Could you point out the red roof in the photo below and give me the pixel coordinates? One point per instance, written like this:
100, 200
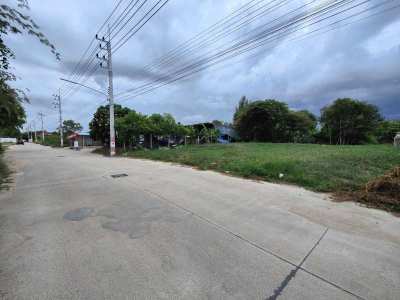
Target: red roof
72, 136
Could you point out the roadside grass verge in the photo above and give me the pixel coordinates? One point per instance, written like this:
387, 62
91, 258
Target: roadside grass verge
52, 140
4, 170
322, 168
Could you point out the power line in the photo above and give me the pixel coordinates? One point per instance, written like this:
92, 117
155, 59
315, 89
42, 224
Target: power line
83, 74
130, 34
130, 18
123, 15
187, 47
242, 43
93, 40
203, 66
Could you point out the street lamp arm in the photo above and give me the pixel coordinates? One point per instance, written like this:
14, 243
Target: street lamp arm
85, 86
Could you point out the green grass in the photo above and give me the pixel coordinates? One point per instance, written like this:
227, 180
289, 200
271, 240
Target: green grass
52, 140
317, 167
4, 170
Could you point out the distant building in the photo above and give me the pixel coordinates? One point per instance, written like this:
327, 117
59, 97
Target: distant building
8, 140
84, 140
227, 133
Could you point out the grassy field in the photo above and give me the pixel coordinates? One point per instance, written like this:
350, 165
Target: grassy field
4, 171
317, 167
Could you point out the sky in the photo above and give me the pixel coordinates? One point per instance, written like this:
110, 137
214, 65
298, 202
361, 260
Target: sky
361, 60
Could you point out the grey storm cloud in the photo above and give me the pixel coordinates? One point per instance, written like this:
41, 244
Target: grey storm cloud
361, 60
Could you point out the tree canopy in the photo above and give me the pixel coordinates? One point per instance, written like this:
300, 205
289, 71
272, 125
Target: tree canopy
100, 124
13, 20
272, 121
349, 121
12, 113
387, 130
130, 124
70, 126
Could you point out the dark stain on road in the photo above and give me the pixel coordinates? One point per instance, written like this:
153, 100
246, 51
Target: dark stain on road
78, 214
137, 219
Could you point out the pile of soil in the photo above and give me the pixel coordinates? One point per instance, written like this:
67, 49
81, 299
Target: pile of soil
382, 192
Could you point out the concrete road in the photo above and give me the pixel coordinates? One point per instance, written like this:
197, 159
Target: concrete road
68, 230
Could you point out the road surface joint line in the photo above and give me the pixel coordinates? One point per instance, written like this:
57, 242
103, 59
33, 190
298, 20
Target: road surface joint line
292, 274
222, 228
315, 246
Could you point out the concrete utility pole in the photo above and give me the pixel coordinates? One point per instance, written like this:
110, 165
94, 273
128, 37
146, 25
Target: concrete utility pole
110, 85
34, 128
57, 104
41, 115
28, 128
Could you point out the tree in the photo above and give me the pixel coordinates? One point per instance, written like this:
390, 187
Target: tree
349, 121
387, 130
70, 126
168, 125
100, 124
264, 121
12, 113
130, 126
243, 103
301, 126
182, 130
14, 21
217, 123
156, 121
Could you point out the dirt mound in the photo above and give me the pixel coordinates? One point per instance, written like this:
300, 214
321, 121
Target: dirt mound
382, 192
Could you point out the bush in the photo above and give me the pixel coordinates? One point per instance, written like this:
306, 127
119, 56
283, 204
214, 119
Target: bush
4, 171
52, 140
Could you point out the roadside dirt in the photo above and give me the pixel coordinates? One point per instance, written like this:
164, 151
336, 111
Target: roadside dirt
382, 192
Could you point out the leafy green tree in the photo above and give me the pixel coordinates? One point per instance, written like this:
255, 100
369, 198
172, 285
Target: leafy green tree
12, 113
130, 126
387, 130
263, 121
217, 123
13, 20
243, 103
168, 125
156, 121
301, 126
100, 124
181, 130
70, 126
349, 121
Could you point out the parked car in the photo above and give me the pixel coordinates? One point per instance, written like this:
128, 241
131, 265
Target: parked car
20, 142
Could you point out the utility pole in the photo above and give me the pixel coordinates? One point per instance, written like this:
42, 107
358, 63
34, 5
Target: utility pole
34, 128
57, 104
29, 132
41, 115
108, 60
